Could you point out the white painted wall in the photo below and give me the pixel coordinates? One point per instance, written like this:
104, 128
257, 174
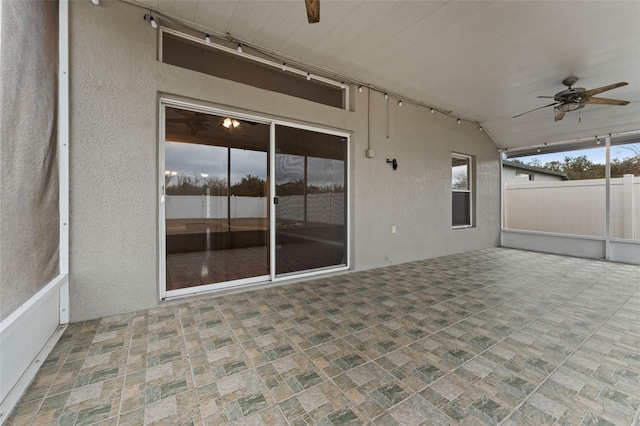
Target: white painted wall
116, 82
574, 207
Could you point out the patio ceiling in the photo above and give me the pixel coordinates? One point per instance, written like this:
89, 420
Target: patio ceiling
483, 60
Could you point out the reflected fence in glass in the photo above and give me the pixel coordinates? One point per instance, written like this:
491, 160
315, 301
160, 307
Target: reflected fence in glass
216, 203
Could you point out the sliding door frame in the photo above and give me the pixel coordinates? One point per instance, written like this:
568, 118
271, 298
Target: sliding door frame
165, 294
272, 209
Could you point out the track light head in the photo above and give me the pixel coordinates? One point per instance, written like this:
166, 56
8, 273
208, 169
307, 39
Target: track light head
386, 96
459, 121
239, 47
207, 39
95, 2
360, 88
400, 103
284, 66
342, 86
432, 111
481, 128
308, 76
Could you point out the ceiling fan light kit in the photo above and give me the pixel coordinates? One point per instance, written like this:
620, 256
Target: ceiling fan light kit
573, 99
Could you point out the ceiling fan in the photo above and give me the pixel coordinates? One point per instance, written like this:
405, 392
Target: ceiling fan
313, 10
195, 122
575, 98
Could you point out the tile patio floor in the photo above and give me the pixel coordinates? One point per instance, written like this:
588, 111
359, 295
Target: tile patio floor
483, 337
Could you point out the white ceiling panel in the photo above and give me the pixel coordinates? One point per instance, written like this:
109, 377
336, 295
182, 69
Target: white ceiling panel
483, 60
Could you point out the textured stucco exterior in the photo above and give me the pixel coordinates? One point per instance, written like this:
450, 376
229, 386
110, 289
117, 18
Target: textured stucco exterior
116, 83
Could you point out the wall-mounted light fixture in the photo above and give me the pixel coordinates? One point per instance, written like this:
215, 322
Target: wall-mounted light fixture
393, 163
152, 22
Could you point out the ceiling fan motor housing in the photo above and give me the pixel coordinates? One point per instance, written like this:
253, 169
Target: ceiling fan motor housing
571, 99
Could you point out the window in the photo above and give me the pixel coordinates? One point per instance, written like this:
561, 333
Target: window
461, 190
524, 176
194, 54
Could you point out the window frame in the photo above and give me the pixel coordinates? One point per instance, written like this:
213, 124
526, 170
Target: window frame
469, 190
520, 176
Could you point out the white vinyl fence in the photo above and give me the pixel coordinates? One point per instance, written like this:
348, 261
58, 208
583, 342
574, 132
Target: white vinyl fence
574, 207
321, 208
215, 207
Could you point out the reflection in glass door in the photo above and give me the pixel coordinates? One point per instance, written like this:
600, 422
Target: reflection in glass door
311, 215
216, 199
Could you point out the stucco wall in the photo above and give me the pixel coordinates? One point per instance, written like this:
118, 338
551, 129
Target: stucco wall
115, 85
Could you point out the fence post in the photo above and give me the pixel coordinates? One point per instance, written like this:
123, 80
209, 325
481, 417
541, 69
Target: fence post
627, 207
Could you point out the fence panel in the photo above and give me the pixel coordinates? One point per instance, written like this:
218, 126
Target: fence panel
574, 207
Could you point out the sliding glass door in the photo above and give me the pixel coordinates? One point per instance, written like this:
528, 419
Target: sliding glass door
216, 199
219, 205
311, 215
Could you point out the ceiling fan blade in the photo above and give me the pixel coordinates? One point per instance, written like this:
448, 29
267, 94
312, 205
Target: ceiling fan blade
313, 10
546, 106
559, 115
546, 97
592, 92
605, 101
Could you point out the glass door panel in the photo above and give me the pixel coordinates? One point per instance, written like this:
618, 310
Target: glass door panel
216, 209
310, 218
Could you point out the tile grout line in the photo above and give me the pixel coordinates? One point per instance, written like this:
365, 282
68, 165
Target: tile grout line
562, 363
193, 378
126, 367
35, 413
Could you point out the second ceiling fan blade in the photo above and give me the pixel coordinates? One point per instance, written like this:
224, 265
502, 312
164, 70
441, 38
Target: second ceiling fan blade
546, 106
605, 101
313, 10
604, 88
